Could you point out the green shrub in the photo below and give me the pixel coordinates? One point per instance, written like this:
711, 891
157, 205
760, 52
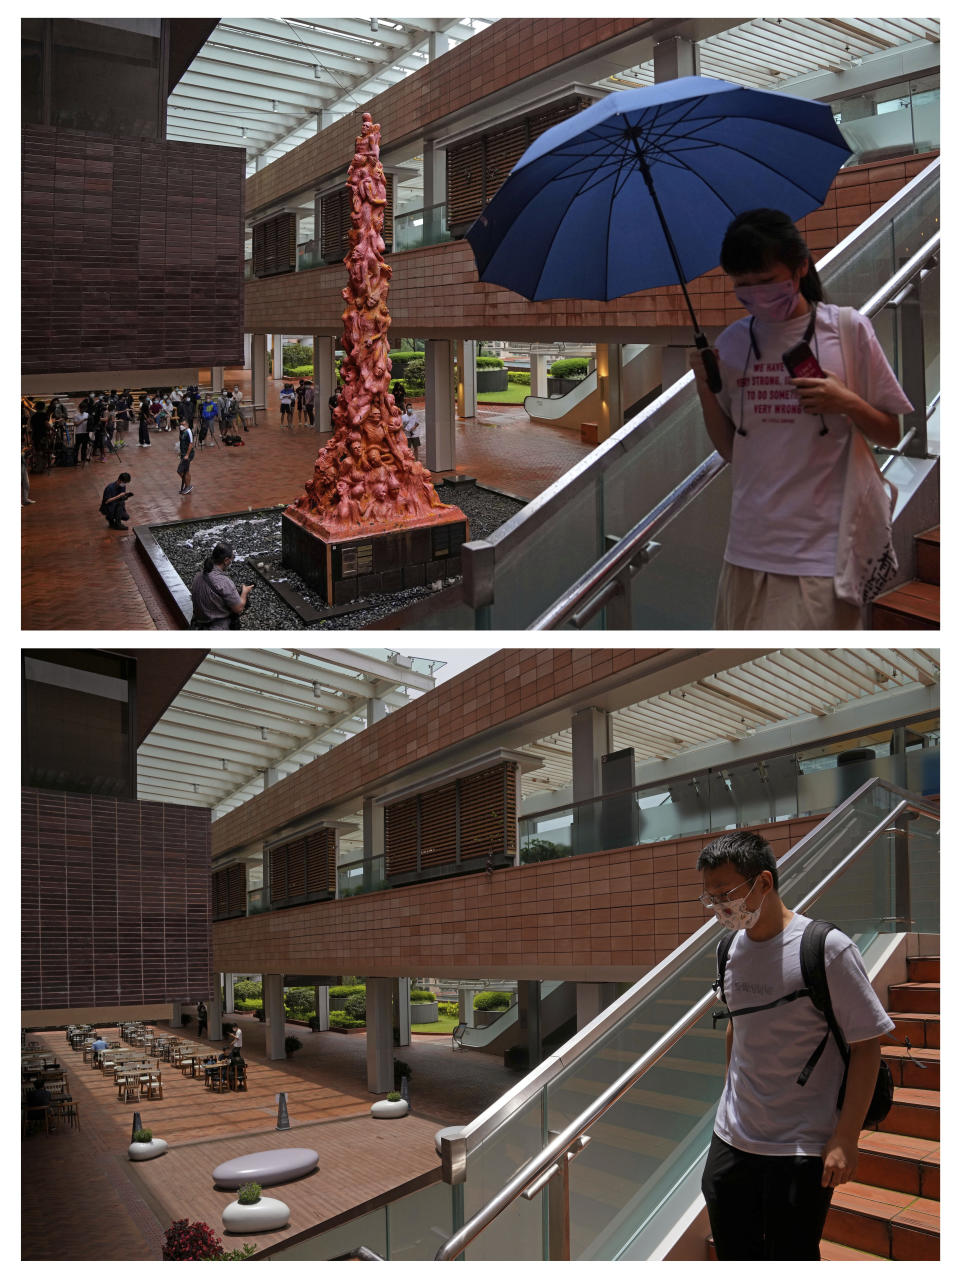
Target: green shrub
143, 1134
542, 850
399, 359
489, 999
415, 374
296, 354
247, 1005
341, 992
394, 1096
291, 1044
356, 1006
302, 370
314, 1022
249, 1192
489, 362
448, 1010
300, 1001
259, 1014
237, 1254
422, 997
344, 1020
575, 367
518, 377
247, 989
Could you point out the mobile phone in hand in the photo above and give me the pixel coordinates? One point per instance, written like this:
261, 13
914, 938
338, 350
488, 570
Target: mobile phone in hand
801, 362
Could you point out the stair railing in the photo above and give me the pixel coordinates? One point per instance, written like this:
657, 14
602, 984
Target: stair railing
608, 583
550, 1168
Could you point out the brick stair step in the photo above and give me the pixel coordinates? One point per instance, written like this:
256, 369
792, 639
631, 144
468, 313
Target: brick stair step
915, 997
916, 603
928, 555
913, 1067
923, 968
830, 1251
886, 1222
922, 1029
897, 1162
915, 1113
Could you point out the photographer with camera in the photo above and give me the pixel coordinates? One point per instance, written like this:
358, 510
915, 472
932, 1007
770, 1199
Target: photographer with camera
217, 604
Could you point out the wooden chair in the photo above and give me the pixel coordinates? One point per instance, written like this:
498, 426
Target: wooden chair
153, 1081
130, 1087
70, 1112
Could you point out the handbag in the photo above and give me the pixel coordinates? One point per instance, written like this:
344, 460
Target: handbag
866, 560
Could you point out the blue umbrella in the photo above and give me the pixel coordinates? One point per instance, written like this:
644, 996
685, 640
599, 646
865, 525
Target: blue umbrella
637, 190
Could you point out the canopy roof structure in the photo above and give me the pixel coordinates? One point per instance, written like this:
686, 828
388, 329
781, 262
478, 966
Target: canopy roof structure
246, 711
787, 685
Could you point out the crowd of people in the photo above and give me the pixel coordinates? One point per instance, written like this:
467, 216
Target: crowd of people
300, 399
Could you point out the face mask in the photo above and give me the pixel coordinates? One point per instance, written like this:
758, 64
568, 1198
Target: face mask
772, 302
736, 915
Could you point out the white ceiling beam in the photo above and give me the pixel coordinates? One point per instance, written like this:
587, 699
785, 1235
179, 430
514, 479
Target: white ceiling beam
301, 710
250, 51
269, 678
218, 727
249, 744
262, 83
195, 99
299, 37
360, 28
374, 666
177, 748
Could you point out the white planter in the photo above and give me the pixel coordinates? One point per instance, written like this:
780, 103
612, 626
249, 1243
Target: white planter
389, 1109
423, 1014
249, 1219
138, 1150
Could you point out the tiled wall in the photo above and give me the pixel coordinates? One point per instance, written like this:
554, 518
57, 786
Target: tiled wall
435, 291
504, 54
603, 916
486, 696
115, 901
132, 253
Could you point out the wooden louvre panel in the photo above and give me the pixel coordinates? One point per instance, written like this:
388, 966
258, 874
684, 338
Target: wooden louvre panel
400, 836
503, 149
321, 865
230, 892
296, 852
482, 812
335, 223
275, 245
438, 827
465, 198
278, 874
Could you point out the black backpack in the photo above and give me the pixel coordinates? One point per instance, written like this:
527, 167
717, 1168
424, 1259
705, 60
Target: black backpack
813, 970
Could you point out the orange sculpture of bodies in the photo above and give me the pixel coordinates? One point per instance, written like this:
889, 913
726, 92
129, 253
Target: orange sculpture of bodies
366, 480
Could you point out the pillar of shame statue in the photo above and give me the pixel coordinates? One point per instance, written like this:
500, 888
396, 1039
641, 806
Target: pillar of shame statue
366, 480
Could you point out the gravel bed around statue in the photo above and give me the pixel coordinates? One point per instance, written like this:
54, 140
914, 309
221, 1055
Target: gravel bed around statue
256, 535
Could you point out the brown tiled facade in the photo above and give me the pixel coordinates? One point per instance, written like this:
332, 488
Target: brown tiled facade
602, 916
499, 690
115, 901
434, 292
132, 253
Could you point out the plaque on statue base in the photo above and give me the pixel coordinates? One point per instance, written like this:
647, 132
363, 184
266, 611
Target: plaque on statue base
343, 569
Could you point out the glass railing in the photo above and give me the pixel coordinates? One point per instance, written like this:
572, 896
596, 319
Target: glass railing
361, 877
258, 900
420, 227
906, 121
308, 257
750, 794
516, 574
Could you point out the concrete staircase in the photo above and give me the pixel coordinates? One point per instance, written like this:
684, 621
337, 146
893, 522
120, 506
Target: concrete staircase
915, 605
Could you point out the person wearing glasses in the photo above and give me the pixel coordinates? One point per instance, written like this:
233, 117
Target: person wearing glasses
779, 1149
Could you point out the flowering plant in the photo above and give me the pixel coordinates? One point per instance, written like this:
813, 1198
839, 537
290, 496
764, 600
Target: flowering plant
191, 1241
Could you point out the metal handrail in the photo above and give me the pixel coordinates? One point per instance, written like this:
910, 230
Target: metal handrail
538, 1171
600, 583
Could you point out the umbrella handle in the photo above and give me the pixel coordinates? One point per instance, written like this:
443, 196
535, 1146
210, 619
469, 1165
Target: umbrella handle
714, 380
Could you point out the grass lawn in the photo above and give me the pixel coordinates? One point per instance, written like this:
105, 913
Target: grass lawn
514, 394
444, 1026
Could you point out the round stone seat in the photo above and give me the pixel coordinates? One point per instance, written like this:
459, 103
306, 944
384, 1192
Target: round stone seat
266, 1167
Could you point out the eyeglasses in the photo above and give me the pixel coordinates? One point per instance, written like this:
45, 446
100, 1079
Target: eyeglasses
710, 899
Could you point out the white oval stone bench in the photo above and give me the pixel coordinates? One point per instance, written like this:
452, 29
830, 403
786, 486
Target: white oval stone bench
266, 1167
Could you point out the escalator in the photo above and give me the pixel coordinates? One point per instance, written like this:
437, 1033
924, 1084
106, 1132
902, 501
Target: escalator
641, 377
550, 565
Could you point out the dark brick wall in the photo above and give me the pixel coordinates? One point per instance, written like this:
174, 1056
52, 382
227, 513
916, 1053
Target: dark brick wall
132, 253
115, 901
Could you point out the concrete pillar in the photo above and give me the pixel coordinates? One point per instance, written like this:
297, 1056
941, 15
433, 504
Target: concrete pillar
373, 841
215, 1012
216, 379
376, 710
610, 383
438, 42
322, 997
379, 1034
674, 364
270, 776
468, 1014
258, 368
592, 998
274, 1019
528, 1016
440, 423
467, 379
401, 1011
247, 349
324, 119
539, 364
176, 1015
324, 378
675, 57
276, 346
590, 741
228, 980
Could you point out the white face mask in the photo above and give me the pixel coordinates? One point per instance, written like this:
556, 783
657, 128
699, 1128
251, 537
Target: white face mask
736, 915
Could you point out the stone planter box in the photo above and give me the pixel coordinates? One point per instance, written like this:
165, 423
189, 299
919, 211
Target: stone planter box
423, 1014
492, 379
488, 1015
561, 385
247, 1219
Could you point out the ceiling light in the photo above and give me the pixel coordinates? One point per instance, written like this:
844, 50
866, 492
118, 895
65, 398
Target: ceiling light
374, 24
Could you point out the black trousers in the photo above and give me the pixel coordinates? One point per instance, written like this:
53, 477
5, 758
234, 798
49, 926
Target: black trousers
764, 1207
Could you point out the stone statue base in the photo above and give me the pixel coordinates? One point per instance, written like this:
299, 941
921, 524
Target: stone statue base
343, 569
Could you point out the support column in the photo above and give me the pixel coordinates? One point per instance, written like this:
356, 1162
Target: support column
379, 1034
610, 383
324, 378
401, 1012
592, 998
373, 841
247, 348
528, 1016
277, 348
322, 999
216, 379
590, 742
539, 364
258, 368
273, 1016
215, 1011
228, 980
465, 997
176, 1015
440, 422
675, 57
673, 364
467, 379
270, 777
438, 42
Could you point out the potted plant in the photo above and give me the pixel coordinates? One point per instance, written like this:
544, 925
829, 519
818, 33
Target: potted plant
392, 1107
190, 1241
145, 1146
291, 1044
252, 1212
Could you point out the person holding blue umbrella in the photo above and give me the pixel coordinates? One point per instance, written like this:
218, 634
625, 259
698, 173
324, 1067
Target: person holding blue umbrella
788, 427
